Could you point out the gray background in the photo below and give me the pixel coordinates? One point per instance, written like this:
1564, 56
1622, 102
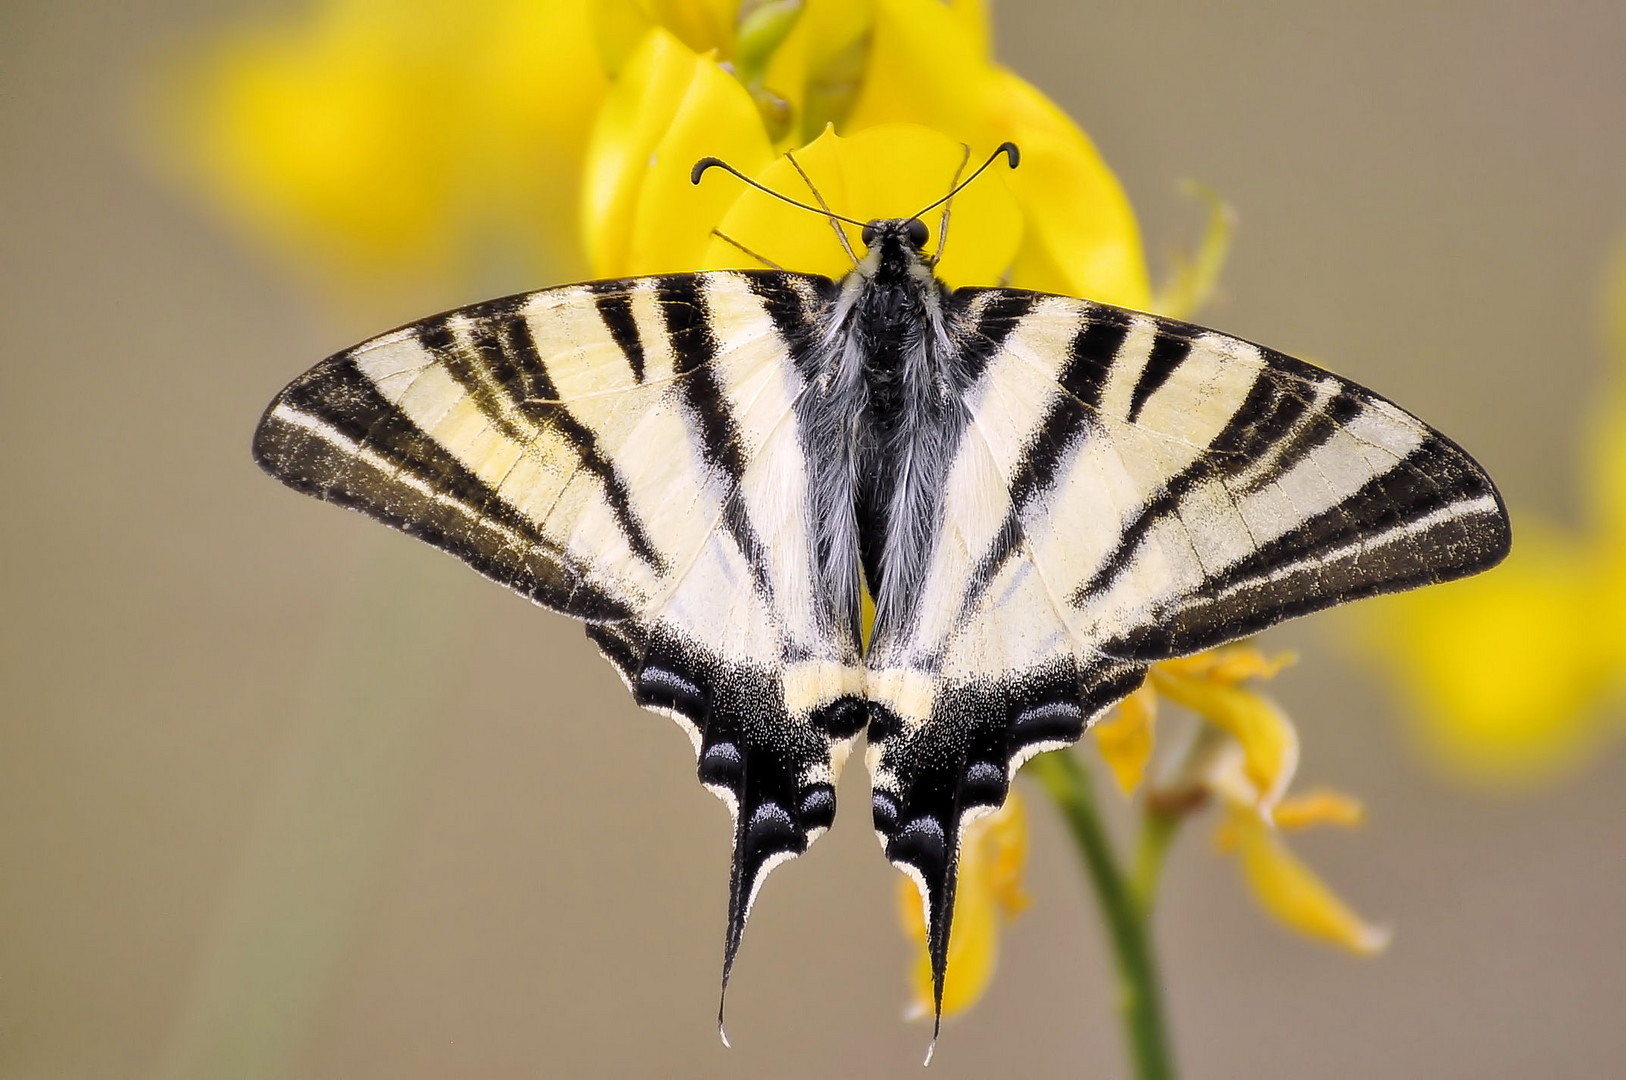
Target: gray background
282, 794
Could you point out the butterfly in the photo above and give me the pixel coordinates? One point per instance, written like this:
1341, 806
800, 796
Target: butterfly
1040, 495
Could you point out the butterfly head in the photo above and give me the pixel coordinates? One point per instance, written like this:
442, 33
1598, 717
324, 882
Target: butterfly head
910, 231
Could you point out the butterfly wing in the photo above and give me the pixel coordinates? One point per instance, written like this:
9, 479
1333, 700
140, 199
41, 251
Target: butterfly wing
1130, 489
627, 453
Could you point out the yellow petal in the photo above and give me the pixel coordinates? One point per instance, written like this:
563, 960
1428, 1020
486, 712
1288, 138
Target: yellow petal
537, 87
1292, 893
975, 18
992, 854
669, 108
1270, 745
889, 171
1322, 806
764, 26
1081, 238
835, 42
1004, 842
619, 27
702, 25
1125, 738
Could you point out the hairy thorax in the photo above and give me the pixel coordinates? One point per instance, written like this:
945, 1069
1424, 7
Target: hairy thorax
907, 421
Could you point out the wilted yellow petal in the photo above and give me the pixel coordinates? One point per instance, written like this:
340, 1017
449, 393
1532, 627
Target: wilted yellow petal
1270, 745
992, 855
1292, 893
1126, 738
1321, 806
889, 171
1229, 664
669, 108
1194, 277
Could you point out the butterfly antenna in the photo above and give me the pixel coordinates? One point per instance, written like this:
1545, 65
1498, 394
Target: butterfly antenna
846, 245
821, 209
942, 225
763, 259
1012, 154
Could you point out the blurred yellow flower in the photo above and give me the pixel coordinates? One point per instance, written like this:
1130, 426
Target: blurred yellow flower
989, 894
376, 141
1516, 677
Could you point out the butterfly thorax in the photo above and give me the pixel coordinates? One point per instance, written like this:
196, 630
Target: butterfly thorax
893, 392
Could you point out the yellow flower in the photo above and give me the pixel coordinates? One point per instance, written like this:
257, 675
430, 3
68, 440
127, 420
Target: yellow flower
378, 142
1519, 676
989, 894
1244, 757
1069, 228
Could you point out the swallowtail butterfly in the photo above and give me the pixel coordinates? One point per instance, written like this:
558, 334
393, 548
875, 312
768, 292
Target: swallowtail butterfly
1042, 495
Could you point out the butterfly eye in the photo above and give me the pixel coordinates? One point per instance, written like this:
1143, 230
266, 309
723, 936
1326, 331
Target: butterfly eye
868, 235
917, 233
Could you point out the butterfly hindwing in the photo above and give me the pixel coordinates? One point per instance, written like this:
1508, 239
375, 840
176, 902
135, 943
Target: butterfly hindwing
626, 452
1129, 489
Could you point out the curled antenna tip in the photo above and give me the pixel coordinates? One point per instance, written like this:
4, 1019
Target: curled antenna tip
1012, 154
702, 165
723, 1035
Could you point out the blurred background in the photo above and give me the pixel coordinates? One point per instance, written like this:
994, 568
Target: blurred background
283, 794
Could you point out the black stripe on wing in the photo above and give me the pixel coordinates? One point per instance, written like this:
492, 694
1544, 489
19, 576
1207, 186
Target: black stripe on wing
331, 434
1397, 532
1070, 418
682, 303
615, 308
1432, 516
987, 317
1269, 412
496, 361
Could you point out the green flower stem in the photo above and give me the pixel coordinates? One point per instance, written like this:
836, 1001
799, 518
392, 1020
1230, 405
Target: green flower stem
1157, 833
1126, 909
